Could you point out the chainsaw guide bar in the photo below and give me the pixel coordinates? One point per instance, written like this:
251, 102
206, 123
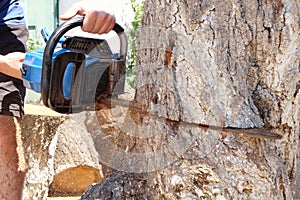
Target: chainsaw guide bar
251, 132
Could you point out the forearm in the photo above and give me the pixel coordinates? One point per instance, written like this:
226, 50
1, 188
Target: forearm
11, 64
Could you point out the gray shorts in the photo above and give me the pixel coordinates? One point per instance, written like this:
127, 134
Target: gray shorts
12, 92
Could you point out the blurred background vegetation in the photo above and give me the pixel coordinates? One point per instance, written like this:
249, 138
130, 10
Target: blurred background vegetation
138, 8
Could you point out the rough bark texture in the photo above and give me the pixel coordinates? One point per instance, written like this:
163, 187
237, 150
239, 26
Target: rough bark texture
59, 153
37, 134
227, 63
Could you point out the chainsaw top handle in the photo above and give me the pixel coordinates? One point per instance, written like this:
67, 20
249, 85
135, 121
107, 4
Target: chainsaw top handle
52, 42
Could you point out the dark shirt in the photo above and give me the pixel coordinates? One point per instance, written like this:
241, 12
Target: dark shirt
11, 12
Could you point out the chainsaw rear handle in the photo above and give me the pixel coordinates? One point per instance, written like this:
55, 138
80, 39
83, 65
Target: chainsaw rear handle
52, 42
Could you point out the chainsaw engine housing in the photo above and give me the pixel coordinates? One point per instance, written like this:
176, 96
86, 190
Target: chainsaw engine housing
74, 71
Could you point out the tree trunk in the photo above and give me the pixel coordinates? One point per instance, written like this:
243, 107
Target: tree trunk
220, 63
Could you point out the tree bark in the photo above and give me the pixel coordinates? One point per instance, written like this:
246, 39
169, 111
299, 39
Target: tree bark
220, 63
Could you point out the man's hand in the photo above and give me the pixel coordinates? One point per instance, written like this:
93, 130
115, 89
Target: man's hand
99, 17
11, 64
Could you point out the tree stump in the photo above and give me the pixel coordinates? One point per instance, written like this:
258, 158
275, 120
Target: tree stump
59, 154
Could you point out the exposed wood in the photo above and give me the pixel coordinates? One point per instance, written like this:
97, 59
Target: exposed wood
59, 154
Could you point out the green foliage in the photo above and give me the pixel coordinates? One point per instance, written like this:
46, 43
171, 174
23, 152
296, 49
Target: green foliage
138, 9
34, 43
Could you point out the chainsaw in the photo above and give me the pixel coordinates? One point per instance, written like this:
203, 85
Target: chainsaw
71, 71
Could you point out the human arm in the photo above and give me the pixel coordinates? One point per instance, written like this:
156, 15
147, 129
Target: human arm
11, 63
99, 17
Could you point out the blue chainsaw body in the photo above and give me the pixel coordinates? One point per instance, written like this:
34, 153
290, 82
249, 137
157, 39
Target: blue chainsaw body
72, 72
33, 65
